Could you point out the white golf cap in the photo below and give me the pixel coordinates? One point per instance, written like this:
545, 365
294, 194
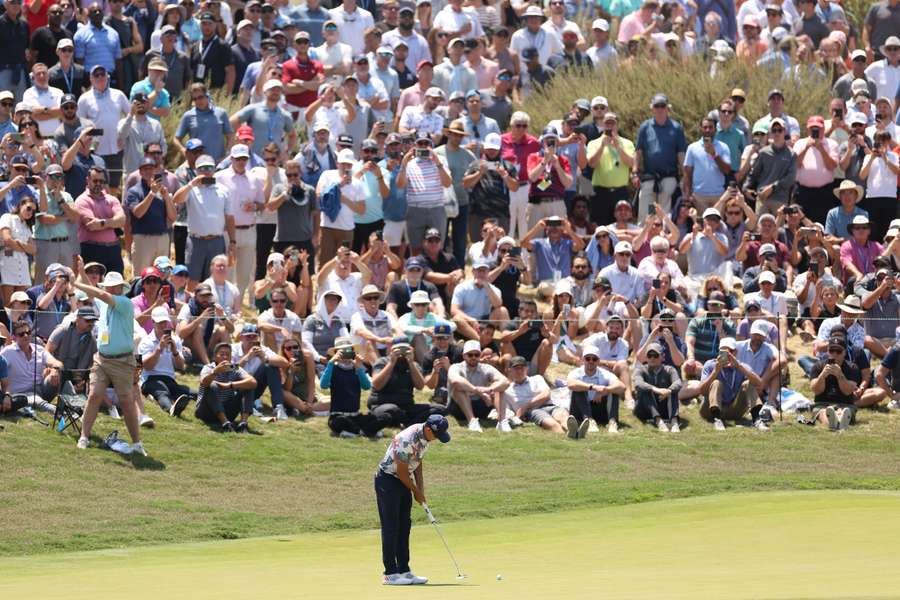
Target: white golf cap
728, 343
272, 84
244, 23
601, 24
600, 101
858, 54
623, 247
471, 346
205, 160
712, 212
346, 156
767, 277
240, 151
492, 141
759, 327
590, 351
506, 240
275, 257
767, 248
65, 43
160, 314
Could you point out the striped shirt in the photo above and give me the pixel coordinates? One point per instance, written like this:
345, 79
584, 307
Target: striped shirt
424, 188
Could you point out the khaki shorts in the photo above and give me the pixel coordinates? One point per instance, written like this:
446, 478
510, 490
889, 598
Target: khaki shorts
117, 373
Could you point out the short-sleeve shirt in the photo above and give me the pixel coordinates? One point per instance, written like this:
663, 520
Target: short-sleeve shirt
97, 46
353, 190
408, 446
617, 350
707, 179
832, 393
401, 292
520, 394
553, 258
226, 377
660, 145
215, 56
482, 375
269, 125
473, 300
382, 324
730, 378
116, 323
207, 206
209, 126
706, 338
165, 366
600, 377
611, 171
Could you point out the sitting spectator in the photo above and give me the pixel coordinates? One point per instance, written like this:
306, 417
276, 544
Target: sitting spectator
395, 378
562, 323
729, 389
33, 371
663, 297
381, 261
418, 324
298, 379
437, 361
161, 354
51, 300
671, 344
706, 246
553, 254
276, 278
750, 249
595, 396
201, 325
371, 328
528, 397
887, 380
765, 361
226, 392
324, 326
704, 334
656, 386
623, 277
475, 388
882, 306
264, 365
345, 376
278, 323
338, 274
441, 267
151, 296
711, 284
528, 337
834, 383
768, 263
859, 252
477, 300
401, 292
839, 218
580, 281
74, 345
772, 175
510, 271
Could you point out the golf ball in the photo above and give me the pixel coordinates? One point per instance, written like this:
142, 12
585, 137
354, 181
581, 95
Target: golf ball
499, 577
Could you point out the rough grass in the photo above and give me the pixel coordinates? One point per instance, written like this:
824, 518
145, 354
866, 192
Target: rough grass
293, 477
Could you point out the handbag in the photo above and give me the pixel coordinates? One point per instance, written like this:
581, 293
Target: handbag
451, 204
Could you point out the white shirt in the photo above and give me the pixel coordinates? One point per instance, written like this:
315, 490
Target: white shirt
881, 182
237, 353
165, 366
415, 118
886, 78
332, 56
245, 192
617, 350
226, 295
363, 320
352, 26
350, 287
104, 110
626, 283
567, 25
418, 47
289, 321
451, 21
47, 98
547, 44
518, 395
800, 281
353, 190
649, 270
775, 304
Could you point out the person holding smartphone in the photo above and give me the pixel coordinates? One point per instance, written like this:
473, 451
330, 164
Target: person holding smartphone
346, 377
226, 392
729, 389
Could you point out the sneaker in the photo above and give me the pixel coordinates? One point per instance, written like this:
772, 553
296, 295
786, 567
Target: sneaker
396, 579
613, 427
257, 413
629, 403
661, 425
844, 421
179, 405
377, 435
504, 426
516, 421
584, 428
572, 427
760, 424
832, 418
242, 427
348, 435
146, 421
894, 405
492, 416
82, 443
474, 425
280, 413
138, 449
415, 579
114, 412
674, 427
718, 425
592, 427
765, 414
227, 427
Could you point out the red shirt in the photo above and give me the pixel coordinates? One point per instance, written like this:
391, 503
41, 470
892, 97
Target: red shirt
304, 71
540, 189
518, 153
38, 19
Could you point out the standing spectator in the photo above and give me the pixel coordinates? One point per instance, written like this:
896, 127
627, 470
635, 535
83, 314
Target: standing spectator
97, 45
14, 41
602, 52
52, 229
550, 174
842, 87
372, 179
176, 59
296, 208
15, 237
302, 75
882, 21
491, 181
533, 36
880, 170
453, 75
518, 147
424, 176
100, 215
611, 157
817, 158
136, 132
64, 136
130, 41
104, 106
44, 38
309, 17
270, 123
211, 58
153, 87
243, 51
152, 213
424, 118
660, 152
707, 164
352, 21
774, 172
406, 34
66, 74
44, 100
339, 197
205, 122
457, 160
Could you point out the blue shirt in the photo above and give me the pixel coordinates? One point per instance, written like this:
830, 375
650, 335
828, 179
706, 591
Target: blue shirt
15, 196
394, 206
660, 145
8, 127
162, 97
837, 220
4, 368
731, 379
758, 361
116, 323
374, 211
551, 257
269, 125
707, 179
58, 230
97, 46
154, 221
209, 126
736, 141
703, 258
473, 300
311, 21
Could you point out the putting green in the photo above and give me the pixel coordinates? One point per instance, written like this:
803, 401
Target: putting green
773, 545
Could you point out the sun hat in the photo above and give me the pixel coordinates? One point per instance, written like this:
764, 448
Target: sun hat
858, 220
372, 290
113, 279
852, 305
848, 184
418, 297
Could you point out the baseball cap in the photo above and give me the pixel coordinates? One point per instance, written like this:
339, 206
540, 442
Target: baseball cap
836, 342
346, 156
272, 84
424, 63
249, 329
179, 270
205, 160
442, 329
193, 144
728, 342
65, 43
240, 151
654, 347
815, 121
432, 233
767, 248
471, 346
623, 247
245, 132
590, 351
716, 298
434, 92
659, 100
414, 262
89, 314
160, 314
481, 263
759, 327
601, 24
438, 425
345, 139
600, 101
712, 212
767, 277
492, 141
774, 92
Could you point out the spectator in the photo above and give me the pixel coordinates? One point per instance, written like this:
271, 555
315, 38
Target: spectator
161, 354
266, 367
602, 52
104, 105
153, 87
553, 254
211, 58
611, 157
152, 211
840, 217
201, 324
65, 74
595, 396
817, 157
491, 180
880, 170
424, 119
842, 87
400, 293
476, 388
534, 36
44, 100
226, 392
623, 277
32, 370
97, 45
656, 386
707, 165
396, 376
776, 111
173, 54
729, 388
270, 123
660, 152
17, 241
205, 122
858, 252
528, 396
477, 300
100, 214
834, 383
704, 335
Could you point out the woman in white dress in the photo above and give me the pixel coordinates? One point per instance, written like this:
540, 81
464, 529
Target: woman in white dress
15, 236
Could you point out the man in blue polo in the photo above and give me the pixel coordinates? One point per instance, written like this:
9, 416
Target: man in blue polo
98, 44
204, 122
270, 122
114, 364
398, 480
659, 154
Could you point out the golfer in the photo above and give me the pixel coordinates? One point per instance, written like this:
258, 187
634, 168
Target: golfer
394, 490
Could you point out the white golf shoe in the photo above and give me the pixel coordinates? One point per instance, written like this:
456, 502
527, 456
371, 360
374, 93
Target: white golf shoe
415, 579
474, 425
396, 579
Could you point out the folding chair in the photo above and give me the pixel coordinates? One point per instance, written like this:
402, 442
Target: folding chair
69, 407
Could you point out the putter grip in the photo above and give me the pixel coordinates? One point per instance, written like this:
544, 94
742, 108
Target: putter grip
429, 513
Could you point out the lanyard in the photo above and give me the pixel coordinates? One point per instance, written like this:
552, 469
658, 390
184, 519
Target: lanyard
69, 78
270, 118
203, 52
557, 256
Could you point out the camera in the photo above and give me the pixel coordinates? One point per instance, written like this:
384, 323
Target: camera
814, 267
838, 113
534, 324
208, 180
158, 177
755, 237
31, 180
422, 153
95, 131
348, 354
815, 133
379, 235
515, 251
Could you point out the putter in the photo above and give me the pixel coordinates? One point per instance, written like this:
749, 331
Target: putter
459, 573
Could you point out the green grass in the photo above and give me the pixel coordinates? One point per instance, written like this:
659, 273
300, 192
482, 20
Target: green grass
293, 477
736, 546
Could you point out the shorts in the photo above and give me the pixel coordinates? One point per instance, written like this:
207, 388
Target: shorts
117, 373
479, 408
539, 415
395, 232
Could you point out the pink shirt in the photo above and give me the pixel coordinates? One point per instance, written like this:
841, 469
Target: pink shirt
88, 207
485, 73
518, 152
631, 26
246, 194
862, 258
411, 96
811, 172
141, 303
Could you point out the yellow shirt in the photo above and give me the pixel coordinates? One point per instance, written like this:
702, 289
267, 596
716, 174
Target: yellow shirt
611, 171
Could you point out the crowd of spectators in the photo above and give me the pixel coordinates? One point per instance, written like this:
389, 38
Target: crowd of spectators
359, 204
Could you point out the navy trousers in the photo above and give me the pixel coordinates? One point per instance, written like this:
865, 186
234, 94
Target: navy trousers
394, 506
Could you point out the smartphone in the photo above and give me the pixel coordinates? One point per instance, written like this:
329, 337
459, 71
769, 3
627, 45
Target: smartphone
348, 354
813, 266
379, 235
234, 366
723, 357
839, 113
755, 237
551, 144
535, 324
567, 308
831, 361
808, 231
31, 180
515, 251
208, 180
815, 134
657, 283
166, 292
158, 177
422, 153
17, 138
95, 131
167, 332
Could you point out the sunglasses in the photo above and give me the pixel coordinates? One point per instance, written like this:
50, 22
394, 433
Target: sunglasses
371, 298
777, 130
652, 355
590, 358
279, 301
726, 111
580, 267
835, 351
520, 126
98, 182
734, 213
291, 348
659, 251
25, 333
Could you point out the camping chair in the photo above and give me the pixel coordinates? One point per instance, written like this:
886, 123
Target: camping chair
70, 406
